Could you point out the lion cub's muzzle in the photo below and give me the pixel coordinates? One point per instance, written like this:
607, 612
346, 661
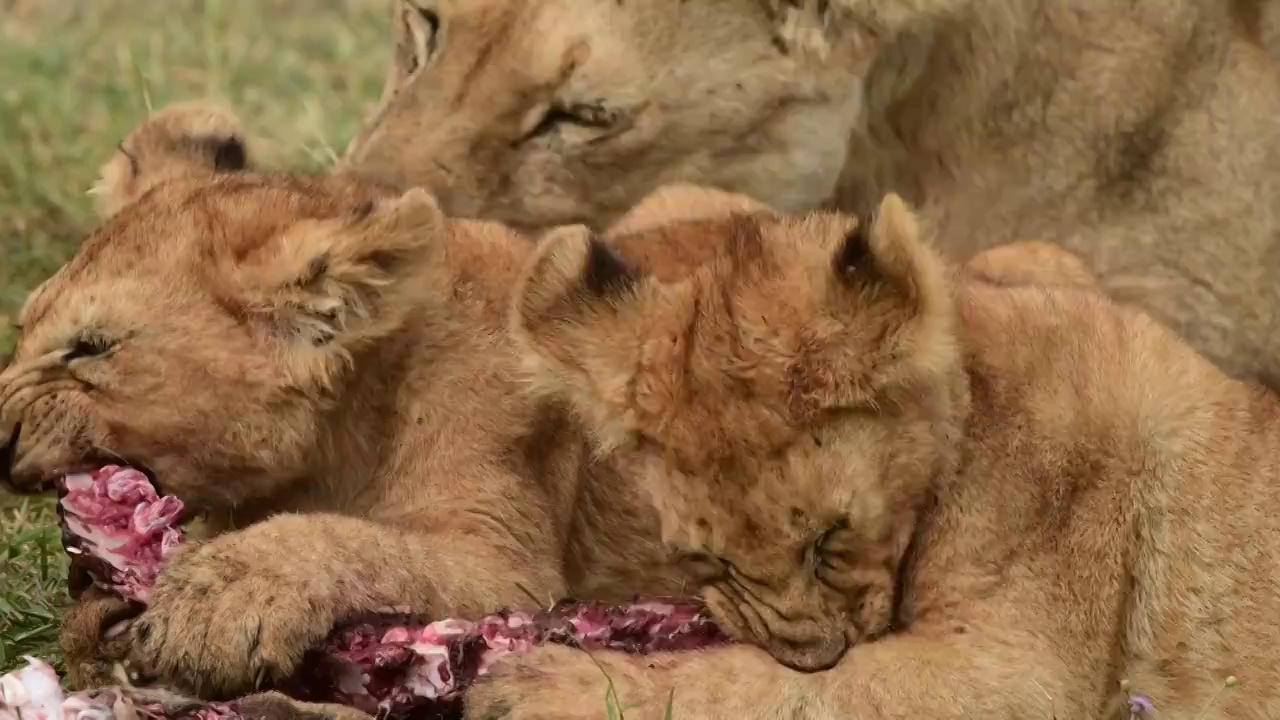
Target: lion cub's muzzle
810, 657
798, 637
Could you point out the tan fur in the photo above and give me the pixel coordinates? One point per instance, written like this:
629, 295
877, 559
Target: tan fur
1259, 21
673, 203
1030, 262
1036, 492
184, 140
1139, 136
1269, 29
637, 96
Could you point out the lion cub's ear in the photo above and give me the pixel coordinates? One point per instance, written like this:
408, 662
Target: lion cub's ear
331, 285
576, 318
894, 296
181, 140
886, 250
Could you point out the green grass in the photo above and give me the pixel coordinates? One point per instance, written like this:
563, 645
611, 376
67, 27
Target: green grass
77, 77
32, 578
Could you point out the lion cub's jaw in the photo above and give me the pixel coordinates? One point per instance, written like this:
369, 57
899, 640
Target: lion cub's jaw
786, 403
549, 112
206, 330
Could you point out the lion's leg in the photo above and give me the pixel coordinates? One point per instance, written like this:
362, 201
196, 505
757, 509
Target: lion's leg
960, 674
230, 613
259, 706
274, 706
952, 675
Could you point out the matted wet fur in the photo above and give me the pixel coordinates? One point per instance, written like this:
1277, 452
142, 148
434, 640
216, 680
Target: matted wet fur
1140, 136
941, 494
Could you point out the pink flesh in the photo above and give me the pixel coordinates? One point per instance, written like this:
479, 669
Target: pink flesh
119, 519
386, 664
33, 693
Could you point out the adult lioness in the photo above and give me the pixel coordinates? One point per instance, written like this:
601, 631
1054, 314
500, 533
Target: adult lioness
1140, 135
1025, 491
561, 111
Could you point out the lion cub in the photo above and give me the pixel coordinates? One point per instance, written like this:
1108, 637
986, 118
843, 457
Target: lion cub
1023, 492
319, 367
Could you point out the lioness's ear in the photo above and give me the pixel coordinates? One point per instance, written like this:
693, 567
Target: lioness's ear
334, 284
894, 294
575, 319
180, 140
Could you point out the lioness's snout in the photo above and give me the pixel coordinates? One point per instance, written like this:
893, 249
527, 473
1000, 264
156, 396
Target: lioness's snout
810, 657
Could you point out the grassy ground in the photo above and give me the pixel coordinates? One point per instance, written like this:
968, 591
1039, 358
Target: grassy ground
77, 75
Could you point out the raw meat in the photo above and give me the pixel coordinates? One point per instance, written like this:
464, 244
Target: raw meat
33, 693
117, 528
390, 664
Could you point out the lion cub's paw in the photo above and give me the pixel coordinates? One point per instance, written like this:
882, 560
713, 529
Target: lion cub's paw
227, 616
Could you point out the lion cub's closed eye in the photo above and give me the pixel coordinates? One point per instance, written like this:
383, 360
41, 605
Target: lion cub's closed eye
791, 390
